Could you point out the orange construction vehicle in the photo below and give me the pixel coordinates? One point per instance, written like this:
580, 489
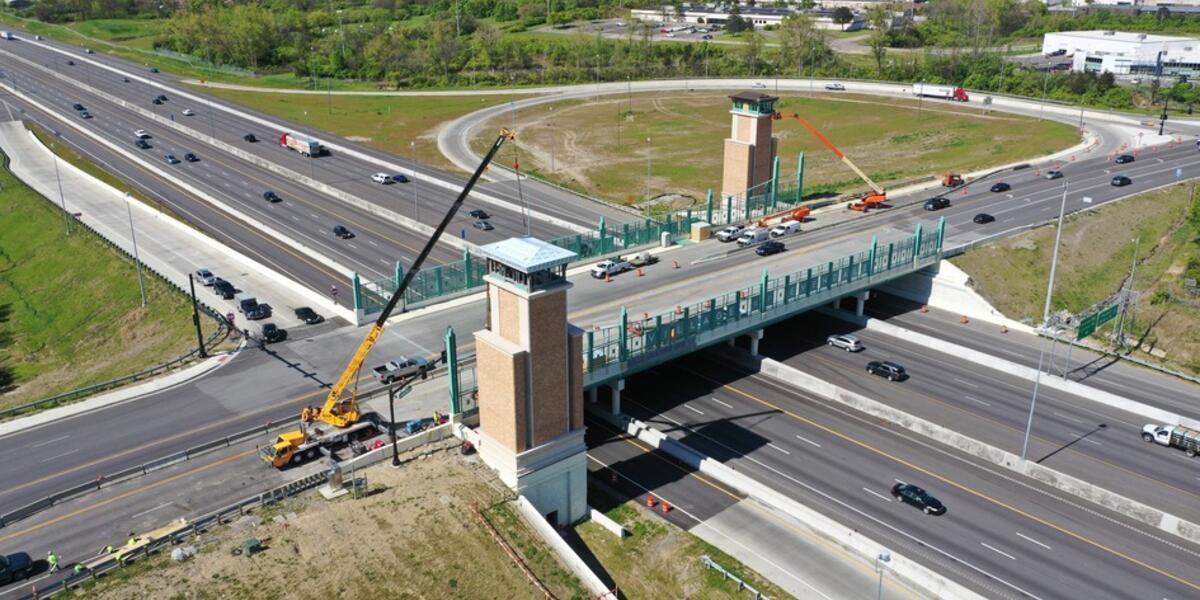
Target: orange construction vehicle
798, 213
951, 180
872, 199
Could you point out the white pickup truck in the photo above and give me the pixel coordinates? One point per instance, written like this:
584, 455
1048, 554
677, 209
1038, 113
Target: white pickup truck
1173, 436
404, 366
617, 265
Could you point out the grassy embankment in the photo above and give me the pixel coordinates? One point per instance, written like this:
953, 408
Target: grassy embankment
70, 311
576, 143
1094, 262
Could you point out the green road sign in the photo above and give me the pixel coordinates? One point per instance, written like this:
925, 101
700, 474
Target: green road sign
1090, 323
1106, 315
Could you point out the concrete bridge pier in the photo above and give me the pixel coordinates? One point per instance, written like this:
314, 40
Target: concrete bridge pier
859, 301
592, 395
755, 337
616, 388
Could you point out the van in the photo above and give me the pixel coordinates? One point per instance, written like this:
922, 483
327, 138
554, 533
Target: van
785, 228
752, 236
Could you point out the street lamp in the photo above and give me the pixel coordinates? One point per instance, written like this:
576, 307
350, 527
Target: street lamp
649, 156
1045, 84
881, 561
1037, 378
133, 236
392, 422
62, 201
412, 146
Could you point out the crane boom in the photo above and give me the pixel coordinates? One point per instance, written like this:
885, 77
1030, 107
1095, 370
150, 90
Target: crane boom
341, 413
834, 149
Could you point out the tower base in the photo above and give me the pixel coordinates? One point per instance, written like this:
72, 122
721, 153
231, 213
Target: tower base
553, 476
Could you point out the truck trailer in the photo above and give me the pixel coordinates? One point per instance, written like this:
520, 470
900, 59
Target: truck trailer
304, 145
941, 92
1173, 436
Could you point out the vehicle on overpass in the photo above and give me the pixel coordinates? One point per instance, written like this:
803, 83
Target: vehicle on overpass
941, 92
845, 341
875, 198
785, 228
937, 203
618, 265
1177, 436
770, 247
401, 367
306, 146
729, 233
338, 421
753, 236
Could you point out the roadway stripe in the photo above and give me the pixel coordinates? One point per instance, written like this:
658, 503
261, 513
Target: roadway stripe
808, 441
57, 439
877, 494
59, 456
1005, 554
1020, 535
689, 407
974, 399
779, 449
726, 405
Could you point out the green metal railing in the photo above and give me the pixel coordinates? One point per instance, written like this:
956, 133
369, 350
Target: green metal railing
634, 344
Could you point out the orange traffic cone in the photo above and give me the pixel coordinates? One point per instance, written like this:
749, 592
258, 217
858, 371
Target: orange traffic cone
1004, 329
639, 272
924, 308
964, 320
607, 278
675, 264
649, 500
666, 507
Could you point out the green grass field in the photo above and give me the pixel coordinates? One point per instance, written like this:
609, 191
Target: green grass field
576, 143
389, 123
1095, 258
70, 311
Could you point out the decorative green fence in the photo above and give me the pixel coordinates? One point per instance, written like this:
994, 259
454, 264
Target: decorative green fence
634, 343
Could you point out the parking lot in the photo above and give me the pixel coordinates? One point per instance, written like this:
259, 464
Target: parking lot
618, 29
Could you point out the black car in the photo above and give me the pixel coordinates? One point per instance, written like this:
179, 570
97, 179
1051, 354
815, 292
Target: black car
224, 288
399, 178
143, 144
249, 137
937, 203
270, 196
887, 368
1124, 158
308, 315
342, 232
770, 247
83, 114
190, 157
162, 98
71, 63
156, 101
477, 213
482, 225
1121, 181
983, 219
77, 106
271, 333
15, 566
153, 69
911, 494
1001, 187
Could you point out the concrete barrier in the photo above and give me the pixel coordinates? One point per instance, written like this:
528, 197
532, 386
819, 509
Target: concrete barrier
907, 569
565, 553
1079, 488
612, 526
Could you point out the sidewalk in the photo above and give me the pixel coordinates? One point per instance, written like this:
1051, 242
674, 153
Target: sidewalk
165, 246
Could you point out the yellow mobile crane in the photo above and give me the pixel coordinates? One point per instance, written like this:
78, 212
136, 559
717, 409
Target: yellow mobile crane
338, 420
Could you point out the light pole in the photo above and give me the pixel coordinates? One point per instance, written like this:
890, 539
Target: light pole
920, 101
1128, 290
62, 200
649, 155
412, 185
133, 236
196, 318
1037, 377
1045, 84
881, 561
392, 422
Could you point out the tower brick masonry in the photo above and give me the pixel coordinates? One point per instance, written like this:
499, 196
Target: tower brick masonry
750, 147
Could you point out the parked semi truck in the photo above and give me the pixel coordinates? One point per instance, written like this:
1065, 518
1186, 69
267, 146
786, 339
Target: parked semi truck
942, 92
293, 447
302, 144
1173, 436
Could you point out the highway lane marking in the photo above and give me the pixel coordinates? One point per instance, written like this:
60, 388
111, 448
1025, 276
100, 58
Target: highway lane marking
1090, 441
1021, 535
806, 440
372, 243
779, 449
1110, 417
122, 496
966, 383
693, 409
624, 436
59, 456
150, 510
974, 399
1068, 418
877, 494
57, 439
971, 491
725, 404
993, 549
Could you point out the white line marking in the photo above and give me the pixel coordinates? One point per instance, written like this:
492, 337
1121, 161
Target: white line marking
150, 510
974, 399
1100, 414
353, 246
779, 449
693, 409
725, 404
372, 243
57, 439
1032, 540
966, 383
1067, 417
997, 551
1092, 441
877, 494
60, 455
808, 441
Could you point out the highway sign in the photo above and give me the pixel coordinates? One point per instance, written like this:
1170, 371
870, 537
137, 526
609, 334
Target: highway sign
1090, 323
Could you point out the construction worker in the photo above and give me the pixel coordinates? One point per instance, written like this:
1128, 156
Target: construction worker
107, 549
79, 568
133, 539
52, 560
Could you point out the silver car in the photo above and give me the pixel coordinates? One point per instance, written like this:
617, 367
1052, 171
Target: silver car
205, 277
845, 341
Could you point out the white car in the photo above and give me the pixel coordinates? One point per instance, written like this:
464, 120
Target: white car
835, 87
187, 112
759, 86
206, 277
845, 341
141, 134
381, 178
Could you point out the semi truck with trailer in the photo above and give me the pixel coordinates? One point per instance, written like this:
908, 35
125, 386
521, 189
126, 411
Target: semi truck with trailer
941, 92
302, 144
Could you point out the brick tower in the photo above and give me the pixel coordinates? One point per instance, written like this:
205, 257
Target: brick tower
529, 363
750, 147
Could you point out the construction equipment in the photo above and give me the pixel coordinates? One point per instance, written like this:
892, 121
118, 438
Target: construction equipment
342, 414
952, 180
872, 199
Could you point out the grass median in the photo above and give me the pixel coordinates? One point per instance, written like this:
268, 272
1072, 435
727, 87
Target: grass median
70, 310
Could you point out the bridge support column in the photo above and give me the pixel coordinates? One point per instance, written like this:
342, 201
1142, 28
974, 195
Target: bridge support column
836, 304
616, 395
592, 394
755, 336
859, 301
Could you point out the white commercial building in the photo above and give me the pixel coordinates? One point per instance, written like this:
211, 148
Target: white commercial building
760, 17
1124, 53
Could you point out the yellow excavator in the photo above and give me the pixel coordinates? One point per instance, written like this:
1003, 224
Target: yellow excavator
338, 421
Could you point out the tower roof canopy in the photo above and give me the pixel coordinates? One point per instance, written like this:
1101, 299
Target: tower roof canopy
527, 254
754, 97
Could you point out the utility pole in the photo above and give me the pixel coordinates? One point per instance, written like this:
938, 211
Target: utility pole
1037, 378
62, 201
196, 318
133, 236
1045, 84
649, 155
1128, 290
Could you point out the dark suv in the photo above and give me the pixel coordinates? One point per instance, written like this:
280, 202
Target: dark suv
911, 494
1124, 159
342, 232
271, 333
224, 288
937, 203
15, 566
272, 197
308, 315
887, 368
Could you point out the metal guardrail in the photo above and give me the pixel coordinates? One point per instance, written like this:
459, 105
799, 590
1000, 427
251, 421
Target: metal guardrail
742, 585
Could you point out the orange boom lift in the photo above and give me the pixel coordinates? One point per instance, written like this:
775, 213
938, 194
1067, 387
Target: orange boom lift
875, 197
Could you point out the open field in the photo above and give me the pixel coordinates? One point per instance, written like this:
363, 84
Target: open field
70, 311
604, 148
385, 122
414, 535
1094, 262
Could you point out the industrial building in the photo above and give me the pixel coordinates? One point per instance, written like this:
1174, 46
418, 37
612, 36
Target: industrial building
759, 16
1125, 53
